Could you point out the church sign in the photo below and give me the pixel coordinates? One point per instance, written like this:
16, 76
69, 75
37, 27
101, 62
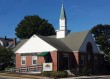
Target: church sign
47, 66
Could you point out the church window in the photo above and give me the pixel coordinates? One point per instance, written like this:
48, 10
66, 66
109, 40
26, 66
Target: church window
34, 60
23, 60
89, 48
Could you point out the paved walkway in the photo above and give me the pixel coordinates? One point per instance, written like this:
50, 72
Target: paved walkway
89, 77
81, 77
17, 76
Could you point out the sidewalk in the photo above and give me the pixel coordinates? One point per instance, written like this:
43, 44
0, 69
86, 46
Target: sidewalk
19, 76
86, 77
23, 76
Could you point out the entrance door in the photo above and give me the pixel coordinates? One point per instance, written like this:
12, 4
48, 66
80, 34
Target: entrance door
65, 62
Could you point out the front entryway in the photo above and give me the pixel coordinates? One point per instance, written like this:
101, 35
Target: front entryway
65, 62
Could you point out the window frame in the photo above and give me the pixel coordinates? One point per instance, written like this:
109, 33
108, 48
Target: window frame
23, 58
33, 60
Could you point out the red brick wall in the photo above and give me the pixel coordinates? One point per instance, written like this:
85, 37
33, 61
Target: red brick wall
18, 60
54, 60
28, 60
40, 60
76, 57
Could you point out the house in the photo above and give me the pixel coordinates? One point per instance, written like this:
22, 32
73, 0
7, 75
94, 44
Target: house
8, 42
65, 50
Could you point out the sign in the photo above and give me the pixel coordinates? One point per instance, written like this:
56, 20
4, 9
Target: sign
47, 66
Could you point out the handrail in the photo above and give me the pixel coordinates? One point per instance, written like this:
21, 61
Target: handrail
25, 69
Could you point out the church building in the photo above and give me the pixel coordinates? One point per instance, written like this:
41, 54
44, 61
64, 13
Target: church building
66, 50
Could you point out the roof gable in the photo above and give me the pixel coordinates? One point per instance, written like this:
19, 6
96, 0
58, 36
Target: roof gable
74, 40
89, 39
19, 44
35, 44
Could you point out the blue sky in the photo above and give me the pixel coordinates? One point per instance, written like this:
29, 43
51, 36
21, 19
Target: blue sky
81, 14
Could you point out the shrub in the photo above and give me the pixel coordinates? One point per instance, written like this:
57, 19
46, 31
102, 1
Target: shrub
85, 71
58, 74
6, 65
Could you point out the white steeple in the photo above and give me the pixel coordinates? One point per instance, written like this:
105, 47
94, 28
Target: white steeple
61, 33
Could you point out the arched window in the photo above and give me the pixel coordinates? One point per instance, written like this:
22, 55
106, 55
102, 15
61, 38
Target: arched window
89, 48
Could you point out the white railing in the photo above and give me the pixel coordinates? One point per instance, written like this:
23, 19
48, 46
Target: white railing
25, 69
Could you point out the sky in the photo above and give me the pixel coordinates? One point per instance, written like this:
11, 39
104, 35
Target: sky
81, 14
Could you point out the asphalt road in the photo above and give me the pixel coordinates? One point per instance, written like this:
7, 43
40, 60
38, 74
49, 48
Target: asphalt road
81, 77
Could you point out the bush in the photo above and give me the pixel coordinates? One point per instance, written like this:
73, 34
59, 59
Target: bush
6, 65
75, 71
85, 71
58, 74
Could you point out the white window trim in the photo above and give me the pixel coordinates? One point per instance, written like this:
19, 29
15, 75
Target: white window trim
21, 60
33, 59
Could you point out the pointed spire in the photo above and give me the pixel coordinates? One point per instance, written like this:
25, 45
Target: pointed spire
63, 14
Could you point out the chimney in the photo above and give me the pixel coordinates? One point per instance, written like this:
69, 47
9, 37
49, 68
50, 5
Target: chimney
14, 41
5, 37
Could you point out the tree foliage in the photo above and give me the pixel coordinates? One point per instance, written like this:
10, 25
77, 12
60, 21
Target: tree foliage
102, 37
34, 25
6, 57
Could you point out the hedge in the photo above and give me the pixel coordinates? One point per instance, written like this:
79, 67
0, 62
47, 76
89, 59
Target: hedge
55, 74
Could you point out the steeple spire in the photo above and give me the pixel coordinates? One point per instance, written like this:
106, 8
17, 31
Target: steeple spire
63, 14
62, 32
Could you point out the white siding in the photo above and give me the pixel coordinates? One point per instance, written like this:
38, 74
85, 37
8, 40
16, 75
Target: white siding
62, 23
89, 38
35, 44
61, 34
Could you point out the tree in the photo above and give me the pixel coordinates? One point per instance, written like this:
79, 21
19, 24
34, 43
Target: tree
6, 57
33, 25
102, 38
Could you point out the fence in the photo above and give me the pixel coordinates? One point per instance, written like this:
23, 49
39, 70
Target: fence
25, 69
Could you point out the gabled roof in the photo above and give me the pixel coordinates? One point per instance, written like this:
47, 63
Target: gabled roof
72, 42
57, 43
19, 44
7, 42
